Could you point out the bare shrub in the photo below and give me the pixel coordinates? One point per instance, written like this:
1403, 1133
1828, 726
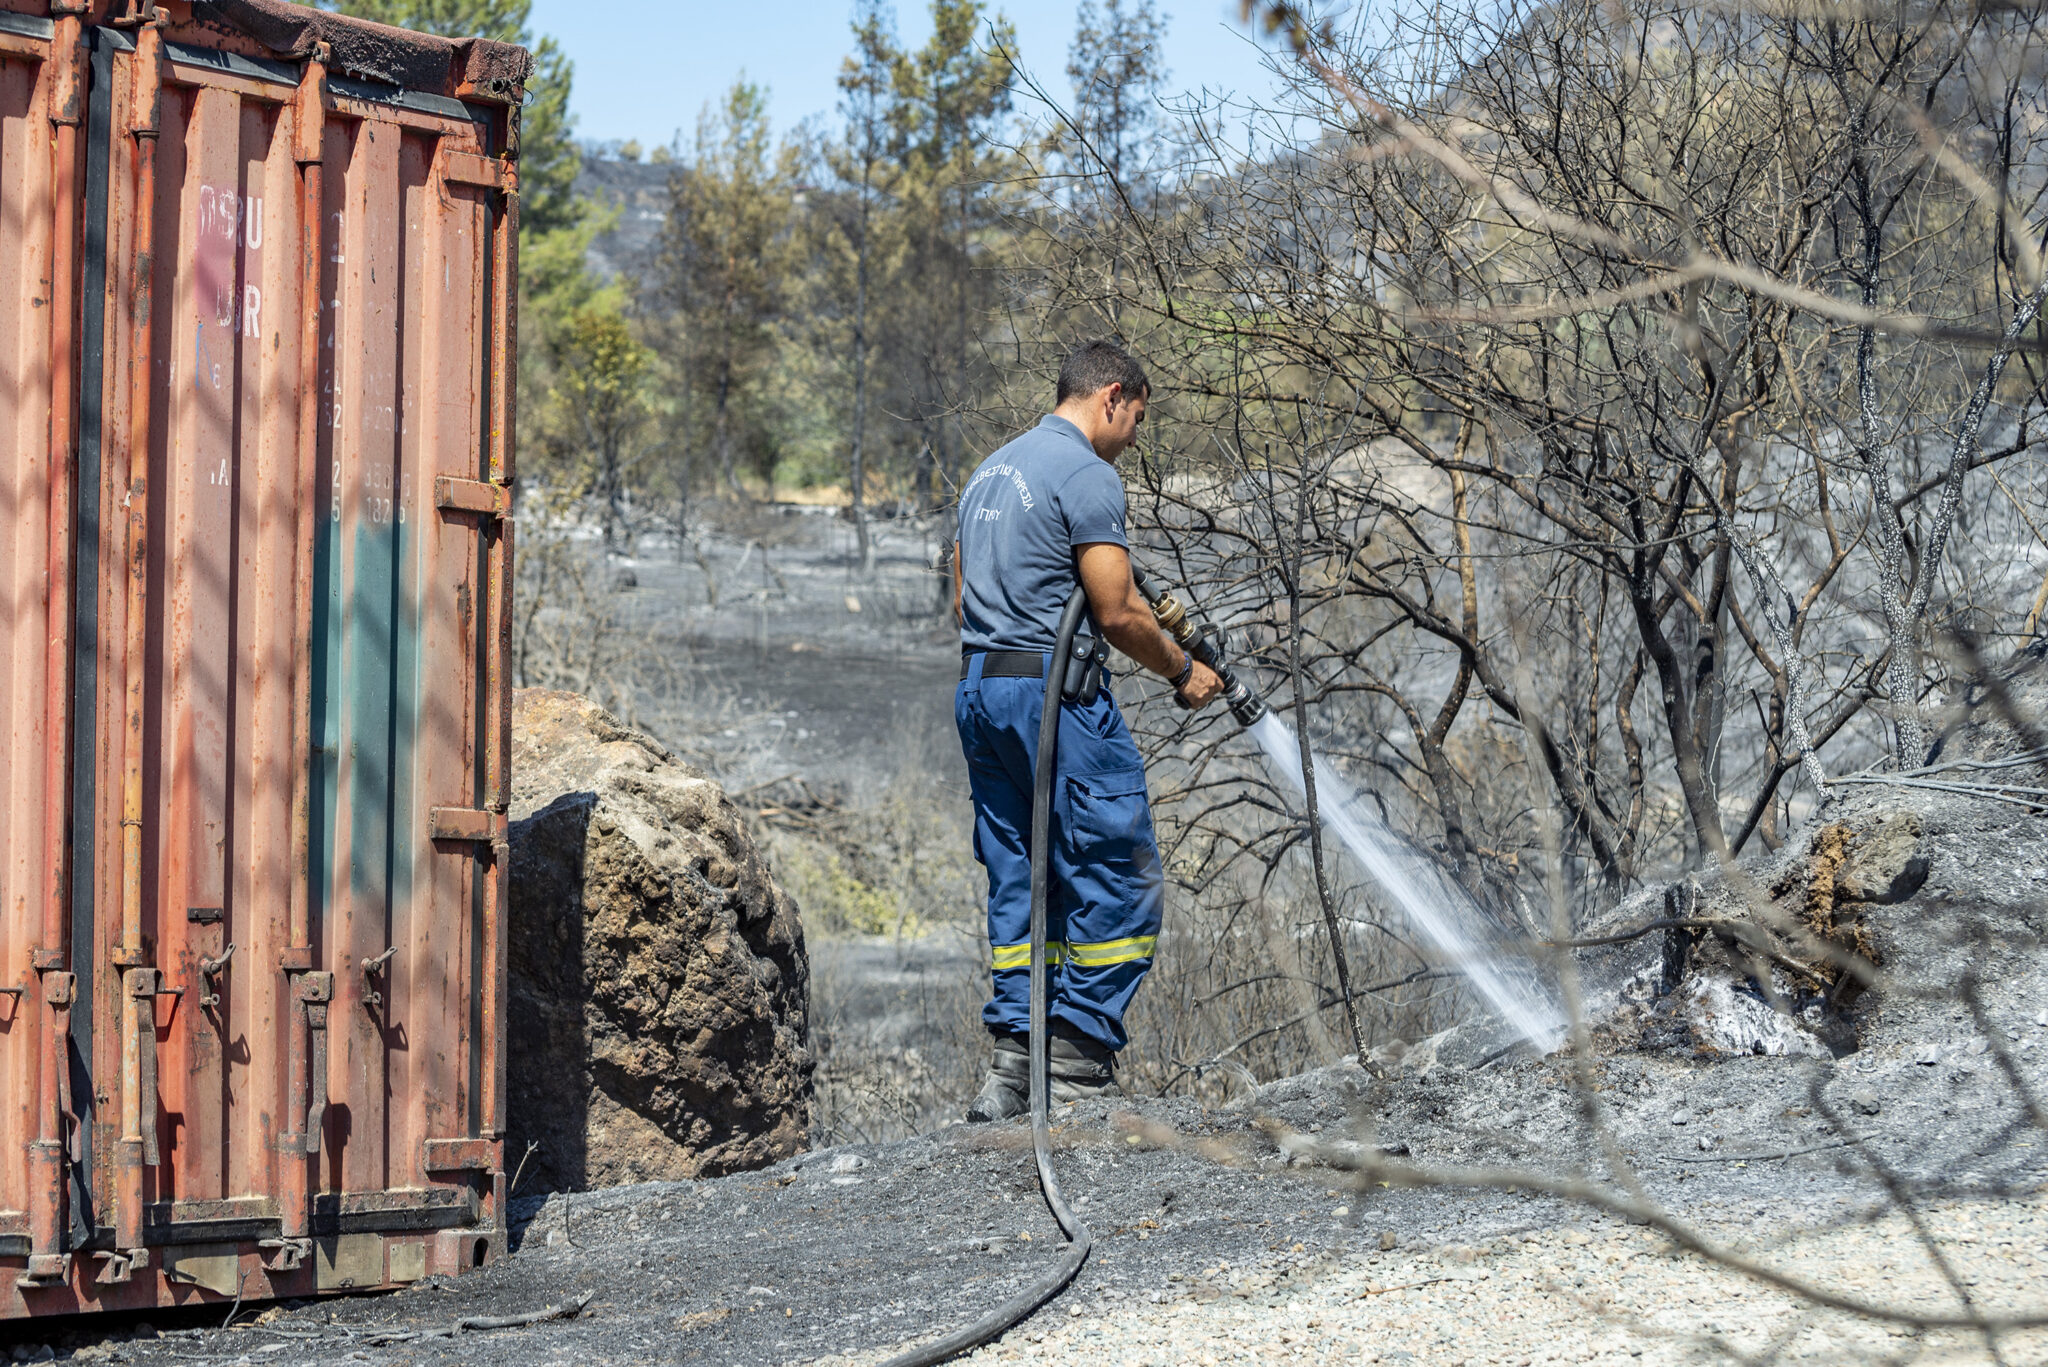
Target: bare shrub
1651, 381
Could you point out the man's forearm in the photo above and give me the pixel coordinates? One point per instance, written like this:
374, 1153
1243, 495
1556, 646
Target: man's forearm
1121, 613
1125, 620
1144, 642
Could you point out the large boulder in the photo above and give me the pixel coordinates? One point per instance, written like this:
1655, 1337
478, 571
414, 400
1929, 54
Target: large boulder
658, 1022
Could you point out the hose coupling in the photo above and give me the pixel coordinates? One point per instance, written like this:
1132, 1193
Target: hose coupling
1173, 620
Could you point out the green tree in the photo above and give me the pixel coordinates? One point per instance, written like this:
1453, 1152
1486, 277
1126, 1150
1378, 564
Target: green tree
950, 96
868, 80
601, 391
721, 261
1103, 145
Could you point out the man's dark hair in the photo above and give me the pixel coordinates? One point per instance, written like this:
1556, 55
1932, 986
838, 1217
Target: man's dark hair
1097, 365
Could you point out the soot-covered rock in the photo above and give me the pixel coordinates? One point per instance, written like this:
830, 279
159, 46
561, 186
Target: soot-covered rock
1887, 927
658, 1023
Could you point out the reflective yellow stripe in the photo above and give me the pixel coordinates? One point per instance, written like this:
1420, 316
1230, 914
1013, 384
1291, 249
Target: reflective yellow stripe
1105, 952
1100, 954
1019, 956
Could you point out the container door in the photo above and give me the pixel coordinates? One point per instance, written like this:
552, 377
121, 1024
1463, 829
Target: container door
217, 839
395, 658
188, 753
398, 650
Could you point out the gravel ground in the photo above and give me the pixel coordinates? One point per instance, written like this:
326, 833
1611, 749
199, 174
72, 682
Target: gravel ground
1601, 1293
1215, 1243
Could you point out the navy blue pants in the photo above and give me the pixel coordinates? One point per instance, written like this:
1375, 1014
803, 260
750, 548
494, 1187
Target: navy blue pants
1107, 892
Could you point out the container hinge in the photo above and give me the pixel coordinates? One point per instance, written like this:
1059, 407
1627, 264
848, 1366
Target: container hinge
47, 1269
461, 1155
457, 495
313, 991
145, 985
467, 168
60, 989
284, 1255
119, 1266
466, 823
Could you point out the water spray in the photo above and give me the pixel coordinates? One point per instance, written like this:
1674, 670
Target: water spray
1445, 914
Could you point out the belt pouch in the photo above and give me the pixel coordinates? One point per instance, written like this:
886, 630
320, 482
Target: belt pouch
1082, 678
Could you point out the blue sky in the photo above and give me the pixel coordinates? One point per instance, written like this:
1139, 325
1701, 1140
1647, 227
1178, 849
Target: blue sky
645, 67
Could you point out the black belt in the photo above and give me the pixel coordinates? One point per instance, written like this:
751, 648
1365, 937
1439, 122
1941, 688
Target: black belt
1005, 664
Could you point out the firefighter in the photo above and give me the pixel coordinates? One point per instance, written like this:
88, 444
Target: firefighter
1045, 512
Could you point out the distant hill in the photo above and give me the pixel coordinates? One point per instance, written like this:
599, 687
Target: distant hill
639, 190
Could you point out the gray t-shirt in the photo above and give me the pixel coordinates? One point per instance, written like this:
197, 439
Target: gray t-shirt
1021, 515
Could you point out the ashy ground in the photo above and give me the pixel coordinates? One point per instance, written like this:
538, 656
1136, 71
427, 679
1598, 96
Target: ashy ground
1237, 1234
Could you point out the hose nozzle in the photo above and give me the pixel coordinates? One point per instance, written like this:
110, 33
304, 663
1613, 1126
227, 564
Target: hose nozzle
1244, 704
1173, 619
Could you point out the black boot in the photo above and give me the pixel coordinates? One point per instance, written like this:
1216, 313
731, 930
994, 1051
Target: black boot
1007, 1092
1081, 1066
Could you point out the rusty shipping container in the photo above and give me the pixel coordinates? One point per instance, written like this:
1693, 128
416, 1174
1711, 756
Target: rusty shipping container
257, 265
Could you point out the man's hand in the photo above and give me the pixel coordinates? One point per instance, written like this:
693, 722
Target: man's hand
1201, 688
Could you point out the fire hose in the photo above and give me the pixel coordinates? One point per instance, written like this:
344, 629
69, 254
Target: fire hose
1247, 707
